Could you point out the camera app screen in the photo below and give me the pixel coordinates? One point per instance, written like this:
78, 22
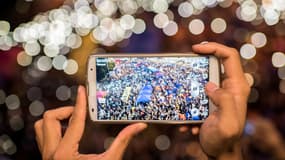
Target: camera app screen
152, 88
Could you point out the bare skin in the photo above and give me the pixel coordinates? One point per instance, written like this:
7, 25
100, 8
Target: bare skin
220, 133
55, 146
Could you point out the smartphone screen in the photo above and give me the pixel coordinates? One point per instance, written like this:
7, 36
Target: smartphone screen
152, 88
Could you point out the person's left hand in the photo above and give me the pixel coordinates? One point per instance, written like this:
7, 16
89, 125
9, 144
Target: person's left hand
55, 146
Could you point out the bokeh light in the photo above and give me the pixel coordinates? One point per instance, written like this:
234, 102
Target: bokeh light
281, 73
258, 39
32, 48
63, 93
44, 63
162, 142
12, 102
36, 108
218, 25
127, 22
4, 28
185, 9
16, 122
278, 59
282, 86
58, 62
70, 67
7, 145
160, 6
34, 93
139, 27
160, 20
249, 78
171, 28
196, 26
23, 59
247, 51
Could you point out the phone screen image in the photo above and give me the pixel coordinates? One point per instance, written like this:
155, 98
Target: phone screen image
152, 88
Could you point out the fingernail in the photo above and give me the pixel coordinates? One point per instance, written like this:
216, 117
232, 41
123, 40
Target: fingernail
79, 89
211, 87
204, 42
141, 126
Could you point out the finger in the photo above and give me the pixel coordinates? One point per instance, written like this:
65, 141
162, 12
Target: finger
183, 129
229, 56
39, 133
121, 142
195, 130
220, 97
76, 126
52, 129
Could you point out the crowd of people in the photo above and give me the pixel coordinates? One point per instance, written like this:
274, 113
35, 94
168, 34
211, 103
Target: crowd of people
154, 89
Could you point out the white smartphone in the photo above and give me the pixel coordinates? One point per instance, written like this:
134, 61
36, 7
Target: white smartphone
152, 88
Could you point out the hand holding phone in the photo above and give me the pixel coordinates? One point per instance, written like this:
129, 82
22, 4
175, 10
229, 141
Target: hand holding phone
53, 145
220, 132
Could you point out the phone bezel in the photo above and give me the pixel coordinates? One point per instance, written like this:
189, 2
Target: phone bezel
214, 76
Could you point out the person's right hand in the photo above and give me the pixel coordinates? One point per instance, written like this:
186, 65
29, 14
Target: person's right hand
224, 126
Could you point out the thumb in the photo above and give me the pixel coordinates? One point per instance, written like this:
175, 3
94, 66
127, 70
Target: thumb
223, 99
76, 126
121, 142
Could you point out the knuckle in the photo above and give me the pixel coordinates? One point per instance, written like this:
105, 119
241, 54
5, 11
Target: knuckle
58, 155
48, 114
234, 51
38, 124
225, 95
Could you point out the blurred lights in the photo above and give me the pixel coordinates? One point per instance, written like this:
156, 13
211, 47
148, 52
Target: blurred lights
278, 59
281, 73
12, 102
218, 25
63, 93
7, 145
36, 108
44, 63
139, 26
282, 86
58, 62
209, 2
32, 48
160, 6
196, 26
162, 142
249, 79
160, 20
127, 22
247, 51
34, 93
185, 9
4, 28
16, 122
258, 39
51, 50
70, 67
171, 29
23, 59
